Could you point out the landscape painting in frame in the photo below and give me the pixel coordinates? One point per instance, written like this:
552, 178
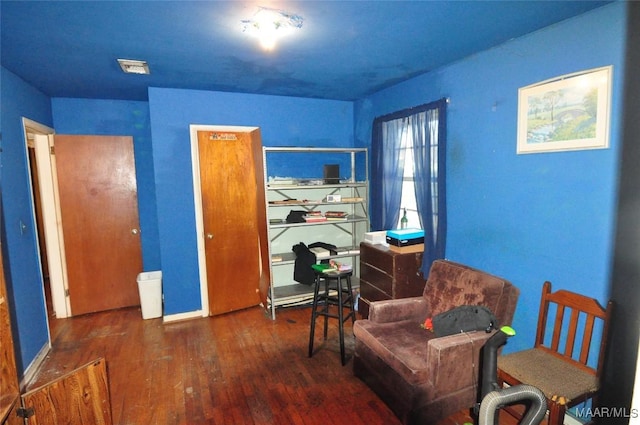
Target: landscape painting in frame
565, 113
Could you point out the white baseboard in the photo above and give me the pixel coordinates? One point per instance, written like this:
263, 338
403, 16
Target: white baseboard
183, 316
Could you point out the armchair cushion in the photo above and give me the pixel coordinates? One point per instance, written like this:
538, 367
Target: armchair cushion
419, 356
401, 345
412, 309
451, 285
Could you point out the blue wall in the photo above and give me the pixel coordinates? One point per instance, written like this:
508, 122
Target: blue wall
113, 118
283, 121
20, 248
534, 217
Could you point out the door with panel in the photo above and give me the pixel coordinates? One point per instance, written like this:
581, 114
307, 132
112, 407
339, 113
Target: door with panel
234, 217
100, 224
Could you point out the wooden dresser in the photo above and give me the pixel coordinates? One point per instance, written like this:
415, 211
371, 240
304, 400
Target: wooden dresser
386, 274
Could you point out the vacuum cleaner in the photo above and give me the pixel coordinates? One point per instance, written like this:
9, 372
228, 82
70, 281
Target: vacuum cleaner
493, 397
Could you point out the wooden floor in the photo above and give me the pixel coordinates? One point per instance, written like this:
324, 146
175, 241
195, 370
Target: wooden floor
238, 368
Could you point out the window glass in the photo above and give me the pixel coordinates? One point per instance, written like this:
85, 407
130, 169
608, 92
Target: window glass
408, 199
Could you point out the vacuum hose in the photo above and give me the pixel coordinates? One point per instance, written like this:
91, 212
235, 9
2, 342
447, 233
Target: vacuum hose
518, 393
490, 359
494, 397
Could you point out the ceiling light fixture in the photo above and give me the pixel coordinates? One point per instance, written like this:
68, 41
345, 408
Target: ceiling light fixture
132, 66
268, 25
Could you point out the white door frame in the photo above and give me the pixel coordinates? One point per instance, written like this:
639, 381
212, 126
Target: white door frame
40, 137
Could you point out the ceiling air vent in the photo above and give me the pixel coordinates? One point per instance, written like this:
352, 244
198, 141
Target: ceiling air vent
132, 66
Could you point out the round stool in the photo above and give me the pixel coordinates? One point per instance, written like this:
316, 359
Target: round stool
343, 298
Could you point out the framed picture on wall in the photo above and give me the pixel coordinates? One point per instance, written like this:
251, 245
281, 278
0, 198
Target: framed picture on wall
570, 112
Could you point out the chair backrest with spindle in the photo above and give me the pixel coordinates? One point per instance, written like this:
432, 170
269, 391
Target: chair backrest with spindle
575, 322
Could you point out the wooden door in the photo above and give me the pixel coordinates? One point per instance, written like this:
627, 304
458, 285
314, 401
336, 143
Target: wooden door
79, 398
100, 224
234, 219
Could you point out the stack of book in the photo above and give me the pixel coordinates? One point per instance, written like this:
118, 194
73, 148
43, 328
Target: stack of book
320, 252
345, 267
336, 215
340, 267
314, 217
332, 267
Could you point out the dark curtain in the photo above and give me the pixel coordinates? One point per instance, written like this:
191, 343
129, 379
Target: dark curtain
429, 146
428, 127
387, 172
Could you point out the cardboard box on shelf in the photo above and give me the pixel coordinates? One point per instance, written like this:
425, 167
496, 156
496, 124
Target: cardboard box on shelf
410, 249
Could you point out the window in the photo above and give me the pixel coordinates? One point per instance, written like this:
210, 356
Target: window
408, 201
408, 171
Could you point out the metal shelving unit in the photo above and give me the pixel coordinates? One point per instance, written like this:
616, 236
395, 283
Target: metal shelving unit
308, 195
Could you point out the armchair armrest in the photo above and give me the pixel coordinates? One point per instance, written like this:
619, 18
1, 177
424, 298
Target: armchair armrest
413, 308
454, 360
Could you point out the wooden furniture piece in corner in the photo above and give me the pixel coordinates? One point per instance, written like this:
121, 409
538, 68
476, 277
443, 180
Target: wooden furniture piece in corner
559, 364
9, 390
386, 275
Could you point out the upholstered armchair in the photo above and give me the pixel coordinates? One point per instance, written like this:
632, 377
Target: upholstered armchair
421, 377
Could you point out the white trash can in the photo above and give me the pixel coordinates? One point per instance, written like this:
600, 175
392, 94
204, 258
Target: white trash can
150, 289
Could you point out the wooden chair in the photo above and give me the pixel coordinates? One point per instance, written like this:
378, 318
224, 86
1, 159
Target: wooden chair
565, 378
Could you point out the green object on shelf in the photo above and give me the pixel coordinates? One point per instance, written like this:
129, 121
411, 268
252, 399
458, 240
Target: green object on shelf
320, 267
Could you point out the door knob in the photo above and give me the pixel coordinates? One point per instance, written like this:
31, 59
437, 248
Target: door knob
209, 235
135, 231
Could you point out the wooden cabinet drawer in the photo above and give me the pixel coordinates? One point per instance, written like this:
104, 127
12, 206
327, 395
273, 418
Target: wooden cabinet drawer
363, 308
409, 281
369, 294
377, 278
379, 257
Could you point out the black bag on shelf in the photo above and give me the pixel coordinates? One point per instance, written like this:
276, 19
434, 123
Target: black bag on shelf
296, 216
302, 270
